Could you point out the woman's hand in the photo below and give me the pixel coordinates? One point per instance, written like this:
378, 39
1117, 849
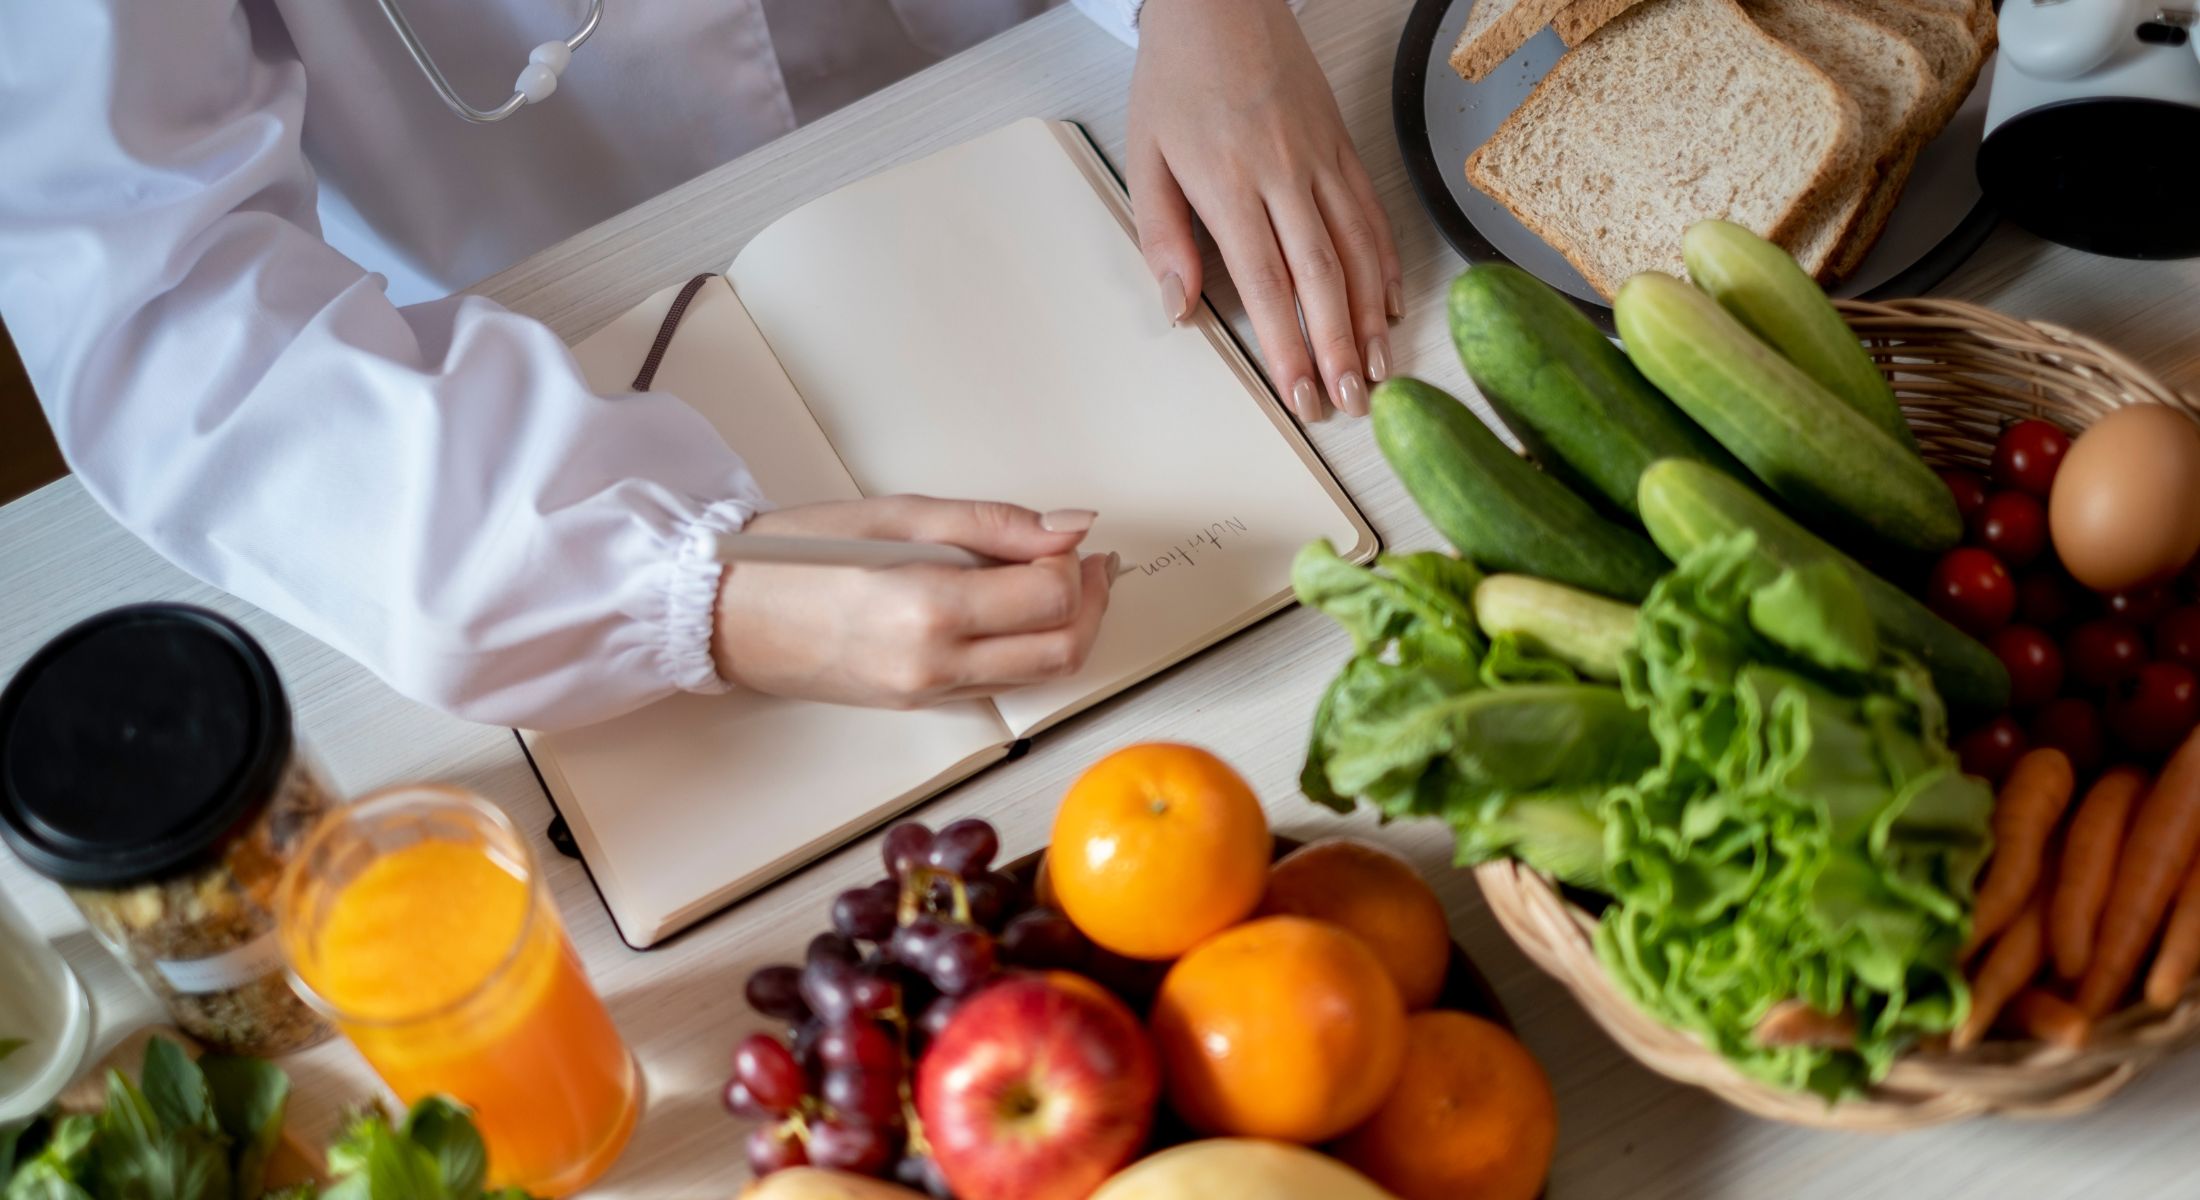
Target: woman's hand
1231, 119
919, 635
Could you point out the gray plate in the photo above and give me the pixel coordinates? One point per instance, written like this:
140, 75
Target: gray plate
1442, 118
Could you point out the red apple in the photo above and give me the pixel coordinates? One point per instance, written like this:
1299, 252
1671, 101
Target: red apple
1039, 1088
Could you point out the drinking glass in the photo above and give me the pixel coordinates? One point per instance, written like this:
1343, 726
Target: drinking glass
45, 1018
417, 921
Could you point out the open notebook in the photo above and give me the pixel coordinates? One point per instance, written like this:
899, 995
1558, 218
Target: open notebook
978, 324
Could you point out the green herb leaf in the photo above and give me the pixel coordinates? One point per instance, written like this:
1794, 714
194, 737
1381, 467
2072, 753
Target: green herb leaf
248, 1097
175, 1088
51, 1173
11, 1045
446, 1131
371, 1161
40, 1181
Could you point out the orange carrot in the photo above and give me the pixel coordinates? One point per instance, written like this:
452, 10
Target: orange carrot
2165, 832
2008, 967
2032, 802
2047, 1017
1794, 1023
2179, 955
2090, 849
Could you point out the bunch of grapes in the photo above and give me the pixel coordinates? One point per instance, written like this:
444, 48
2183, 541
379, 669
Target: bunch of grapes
902, 954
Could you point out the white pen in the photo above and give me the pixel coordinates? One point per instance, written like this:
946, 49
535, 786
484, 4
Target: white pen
871, 553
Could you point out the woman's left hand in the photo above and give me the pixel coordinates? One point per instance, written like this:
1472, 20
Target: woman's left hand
1232, 120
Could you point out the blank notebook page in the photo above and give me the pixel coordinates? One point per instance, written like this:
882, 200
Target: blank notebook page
980, 324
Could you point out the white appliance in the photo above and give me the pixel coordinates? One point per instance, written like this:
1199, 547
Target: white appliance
2093, 128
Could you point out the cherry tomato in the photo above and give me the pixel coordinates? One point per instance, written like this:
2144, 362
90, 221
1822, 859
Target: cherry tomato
2028, 455
2014, 526
2046, 598
2072, 726
1972, 590
2105, 652
2177, 637
2140, 605
2157, 708
2035, 664
1969, 489
1990, 750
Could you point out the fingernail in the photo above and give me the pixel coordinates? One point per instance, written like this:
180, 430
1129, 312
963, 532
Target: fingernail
1172, 298
1307, 398
1394, 299
1352, 394
1068, 520
1115, 565
1378, 359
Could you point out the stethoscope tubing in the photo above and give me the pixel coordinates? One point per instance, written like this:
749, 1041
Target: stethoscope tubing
443, 88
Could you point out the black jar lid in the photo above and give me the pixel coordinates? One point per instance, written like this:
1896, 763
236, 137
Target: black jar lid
136, 742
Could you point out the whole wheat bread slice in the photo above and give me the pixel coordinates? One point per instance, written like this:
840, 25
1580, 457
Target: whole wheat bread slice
1496, 28
1893, 90
1956, 42
1578, 20
1676, 111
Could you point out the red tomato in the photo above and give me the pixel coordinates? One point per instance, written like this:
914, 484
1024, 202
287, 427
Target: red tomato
2157, 708
2014, 526
1990, 750
1972, 590
2046, 598
1969, 489
2177, 637
2028, 455
2072, 726
2105, 652
2140, 605
2035, 664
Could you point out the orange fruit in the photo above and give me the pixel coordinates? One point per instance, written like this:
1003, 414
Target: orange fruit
1471, 1116
1375, 896
1284, 1028
1156, 848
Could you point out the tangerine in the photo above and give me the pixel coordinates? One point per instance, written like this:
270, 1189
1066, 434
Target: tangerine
1284, 1028
1156, 848
1472, 1115
1375, 896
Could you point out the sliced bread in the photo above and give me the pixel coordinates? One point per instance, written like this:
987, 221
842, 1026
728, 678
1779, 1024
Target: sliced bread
1676, 111
1496, 28
1893, 90
1578, 20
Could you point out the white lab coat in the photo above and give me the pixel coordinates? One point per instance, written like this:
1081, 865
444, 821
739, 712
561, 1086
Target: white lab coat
431, 489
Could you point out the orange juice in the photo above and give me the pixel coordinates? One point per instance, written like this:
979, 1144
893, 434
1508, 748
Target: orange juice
446, 967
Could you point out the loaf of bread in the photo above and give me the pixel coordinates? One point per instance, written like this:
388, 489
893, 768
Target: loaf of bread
1496, 28
1578, 20
1675, 111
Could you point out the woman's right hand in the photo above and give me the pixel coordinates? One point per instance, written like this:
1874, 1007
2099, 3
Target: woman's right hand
918, 635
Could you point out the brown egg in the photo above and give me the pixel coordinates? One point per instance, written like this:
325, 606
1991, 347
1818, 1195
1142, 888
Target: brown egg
2126, 504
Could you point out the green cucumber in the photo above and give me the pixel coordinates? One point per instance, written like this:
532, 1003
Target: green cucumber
1493, 506
1766, 291
1815, 452
1588, 633
1685, 505
1583, 411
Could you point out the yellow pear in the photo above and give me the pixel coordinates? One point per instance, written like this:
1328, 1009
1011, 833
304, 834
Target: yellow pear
1242, 1169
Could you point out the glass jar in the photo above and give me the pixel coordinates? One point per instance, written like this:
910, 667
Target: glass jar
148, 765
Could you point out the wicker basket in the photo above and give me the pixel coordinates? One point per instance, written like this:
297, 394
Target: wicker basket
1962, 372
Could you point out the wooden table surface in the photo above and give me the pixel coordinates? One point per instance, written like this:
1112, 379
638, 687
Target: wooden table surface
1623, 1131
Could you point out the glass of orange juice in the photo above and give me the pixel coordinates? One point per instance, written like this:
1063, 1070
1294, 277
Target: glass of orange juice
416, 920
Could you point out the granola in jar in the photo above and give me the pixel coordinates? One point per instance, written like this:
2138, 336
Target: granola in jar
147, 764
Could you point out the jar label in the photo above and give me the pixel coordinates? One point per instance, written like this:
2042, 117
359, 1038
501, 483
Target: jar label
233, 968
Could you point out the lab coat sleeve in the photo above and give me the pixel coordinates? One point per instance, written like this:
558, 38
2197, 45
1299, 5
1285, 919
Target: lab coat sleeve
1120, 17
432, 490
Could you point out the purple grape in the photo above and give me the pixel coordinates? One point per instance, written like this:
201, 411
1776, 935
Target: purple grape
922, 1174
764, 1065
912, 944
993, 899
906, 845
864, 1044
740, 1103
825, 985
831, 947
873, 1097
776, 992
1044, 940
852, 1146
872, 992
866, 912
965, 847
804, 1044
937, 1015
772, 1149
961, 961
